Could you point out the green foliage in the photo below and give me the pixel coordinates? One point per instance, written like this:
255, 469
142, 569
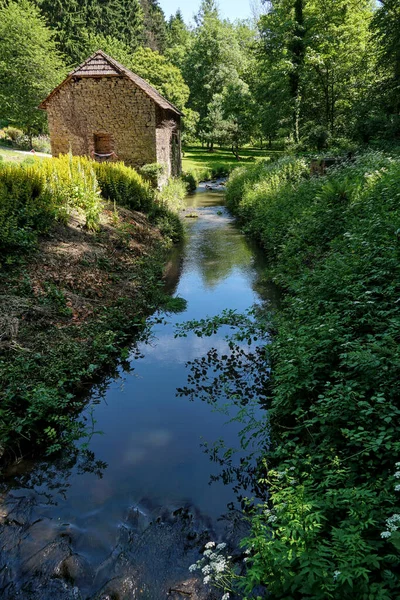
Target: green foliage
333, 391
77, 26
30, 64
155, 27
160, 73
26, 207
191, 180
179, 40
172, 194
123, 185
316, 63
34, 195
12, 133
152, 172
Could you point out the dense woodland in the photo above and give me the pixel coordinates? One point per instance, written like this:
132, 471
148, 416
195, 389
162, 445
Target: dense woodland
303, 74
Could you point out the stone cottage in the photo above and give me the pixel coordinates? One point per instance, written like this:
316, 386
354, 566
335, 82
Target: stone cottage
105, 111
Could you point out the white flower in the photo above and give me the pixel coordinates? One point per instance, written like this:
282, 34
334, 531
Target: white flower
385, 534
397, 488
219, 566
225, 596
336, 575
391, 522
206, 579
397, 465
206, 570
272, 519
397, 474
247, 551
193, 567
210, 545
221, 546
207, 553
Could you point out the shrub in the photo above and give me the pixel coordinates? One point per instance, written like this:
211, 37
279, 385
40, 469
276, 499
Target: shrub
32, 196
41, 143
13, 133
123, 185
73, 185
326, 529
152, 172
172, 195
26, 207
191, 181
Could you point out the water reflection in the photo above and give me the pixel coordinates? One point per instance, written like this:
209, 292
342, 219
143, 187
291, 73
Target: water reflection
152, 439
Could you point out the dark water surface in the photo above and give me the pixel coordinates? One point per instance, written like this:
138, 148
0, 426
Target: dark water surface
151, 438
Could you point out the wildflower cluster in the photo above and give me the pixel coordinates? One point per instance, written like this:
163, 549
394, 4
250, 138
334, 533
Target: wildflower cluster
216, 568
393, 522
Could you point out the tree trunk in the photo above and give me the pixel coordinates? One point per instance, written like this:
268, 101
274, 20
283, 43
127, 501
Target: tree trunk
297, 50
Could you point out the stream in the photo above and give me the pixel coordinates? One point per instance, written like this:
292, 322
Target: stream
129, 520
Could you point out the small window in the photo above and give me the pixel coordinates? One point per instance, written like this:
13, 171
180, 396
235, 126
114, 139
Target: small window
103, 146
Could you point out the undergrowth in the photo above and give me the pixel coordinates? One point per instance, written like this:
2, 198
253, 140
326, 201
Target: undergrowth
329, 445
64, 318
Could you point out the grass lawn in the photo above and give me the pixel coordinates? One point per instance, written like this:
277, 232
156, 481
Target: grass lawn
9, 155
197, 158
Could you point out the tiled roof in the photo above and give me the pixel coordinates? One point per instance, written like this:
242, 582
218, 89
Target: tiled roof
102, 65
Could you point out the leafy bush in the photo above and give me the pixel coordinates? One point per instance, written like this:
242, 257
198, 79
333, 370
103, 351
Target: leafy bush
329, 528
13, 133
41, 143
123, 185
32, 196
26, 207
73, 185
152, 172
191, 181
172, 195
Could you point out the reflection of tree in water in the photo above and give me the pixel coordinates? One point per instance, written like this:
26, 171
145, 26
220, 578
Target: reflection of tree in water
50, 479
220, 251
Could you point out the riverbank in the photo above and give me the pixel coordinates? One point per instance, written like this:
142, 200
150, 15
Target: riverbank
130, 511
72, 297
330, 528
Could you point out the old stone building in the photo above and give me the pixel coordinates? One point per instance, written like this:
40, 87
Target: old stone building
105, 111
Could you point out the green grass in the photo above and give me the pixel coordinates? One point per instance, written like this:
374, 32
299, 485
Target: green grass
196, 158
10, 155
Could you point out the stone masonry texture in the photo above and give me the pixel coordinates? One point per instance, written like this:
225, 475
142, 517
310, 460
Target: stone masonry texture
140, 130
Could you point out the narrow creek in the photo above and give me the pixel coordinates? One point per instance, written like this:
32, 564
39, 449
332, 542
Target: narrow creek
131, 527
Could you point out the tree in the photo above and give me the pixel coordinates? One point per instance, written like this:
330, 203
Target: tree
74, 22
179, 40
30, 65
214, 59
155, 27
160, 73
239, 112
68, 22
283, 35
338, 62
386, 27
316, 54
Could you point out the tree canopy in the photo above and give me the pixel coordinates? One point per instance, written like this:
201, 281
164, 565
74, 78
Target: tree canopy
30, 64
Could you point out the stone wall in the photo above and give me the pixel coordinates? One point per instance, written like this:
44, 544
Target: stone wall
87, 106
168, 144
